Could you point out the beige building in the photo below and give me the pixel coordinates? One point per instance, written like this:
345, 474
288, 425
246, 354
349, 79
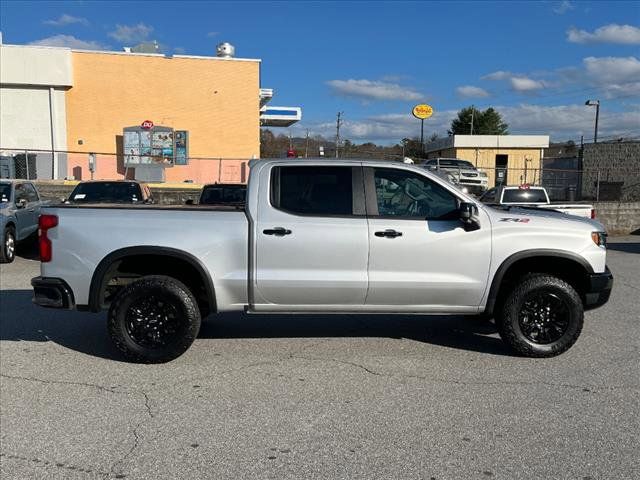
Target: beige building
514, 158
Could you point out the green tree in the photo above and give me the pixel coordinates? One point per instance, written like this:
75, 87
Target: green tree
491, 123
487, 122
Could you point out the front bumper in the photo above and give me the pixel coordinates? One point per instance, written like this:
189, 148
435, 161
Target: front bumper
52, 293
599, 289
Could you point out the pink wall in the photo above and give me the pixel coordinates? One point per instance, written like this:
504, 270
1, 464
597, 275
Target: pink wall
110, 167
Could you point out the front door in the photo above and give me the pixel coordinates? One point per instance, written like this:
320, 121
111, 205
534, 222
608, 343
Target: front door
421, 257
26, 219
311, 239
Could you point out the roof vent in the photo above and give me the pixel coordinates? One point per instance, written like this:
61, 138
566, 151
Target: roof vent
225, 50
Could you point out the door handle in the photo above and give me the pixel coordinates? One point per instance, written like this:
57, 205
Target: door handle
389, 233
277, 231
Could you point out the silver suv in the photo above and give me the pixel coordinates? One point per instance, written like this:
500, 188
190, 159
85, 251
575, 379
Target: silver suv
465, 173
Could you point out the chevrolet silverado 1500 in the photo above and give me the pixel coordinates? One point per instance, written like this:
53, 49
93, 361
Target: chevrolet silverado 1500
339, 236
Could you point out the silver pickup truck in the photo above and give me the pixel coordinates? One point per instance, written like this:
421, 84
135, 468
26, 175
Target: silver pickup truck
339, 236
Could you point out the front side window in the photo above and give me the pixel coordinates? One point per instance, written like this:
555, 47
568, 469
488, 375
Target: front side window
489, 196
400, 193
311, 190
30, 191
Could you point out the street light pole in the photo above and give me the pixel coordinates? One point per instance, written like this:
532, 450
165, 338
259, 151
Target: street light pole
595, 103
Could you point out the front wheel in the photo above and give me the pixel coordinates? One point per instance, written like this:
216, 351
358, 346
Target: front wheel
8, 249
154, 319
541, 317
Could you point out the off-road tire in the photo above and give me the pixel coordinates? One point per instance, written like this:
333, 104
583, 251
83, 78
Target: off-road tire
174, 294
5, 255
509, 327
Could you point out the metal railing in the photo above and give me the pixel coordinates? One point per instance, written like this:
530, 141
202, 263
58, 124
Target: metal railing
602, 184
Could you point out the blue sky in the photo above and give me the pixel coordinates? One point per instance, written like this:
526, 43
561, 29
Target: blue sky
536, 62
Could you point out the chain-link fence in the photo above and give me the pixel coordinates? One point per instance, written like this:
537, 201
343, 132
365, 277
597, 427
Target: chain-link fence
620, 183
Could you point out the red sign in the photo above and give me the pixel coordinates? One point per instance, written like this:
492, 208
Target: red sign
291, 153
147, 125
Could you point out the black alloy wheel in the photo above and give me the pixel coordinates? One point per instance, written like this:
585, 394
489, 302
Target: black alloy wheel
544, 317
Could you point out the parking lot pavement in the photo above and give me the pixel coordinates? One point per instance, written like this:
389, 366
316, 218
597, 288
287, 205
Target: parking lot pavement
320, 396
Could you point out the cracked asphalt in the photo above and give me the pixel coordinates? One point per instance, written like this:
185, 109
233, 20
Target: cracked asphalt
320, 397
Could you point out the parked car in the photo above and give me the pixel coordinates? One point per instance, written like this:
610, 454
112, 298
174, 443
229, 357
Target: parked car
110, 191
533, 196
352, 236
19, 210
466, 174
223, 194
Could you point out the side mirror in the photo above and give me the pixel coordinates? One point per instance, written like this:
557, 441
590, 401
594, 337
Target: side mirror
63, 200
22, 203
469, 216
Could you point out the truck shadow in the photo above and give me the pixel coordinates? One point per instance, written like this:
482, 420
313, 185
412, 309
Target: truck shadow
20, 320
624, 247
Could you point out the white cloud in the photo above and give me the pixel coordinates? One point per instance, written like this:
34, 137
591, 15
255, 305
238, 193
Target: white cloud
612, 69
567, 121
615, 75
561, 122
563, 7
525, 84
499, 75
212, 34
519, 83
131, 33
66, 19
71, 42
469, 91
612, 33
373, 90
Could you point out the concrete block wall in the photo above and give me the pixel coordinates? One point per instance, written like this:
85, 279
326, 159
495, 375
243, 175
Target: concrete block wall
619, 218
619, 166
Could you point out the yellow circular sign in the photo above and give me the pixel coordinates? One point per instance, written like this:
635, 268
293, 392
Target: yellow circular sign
422, 111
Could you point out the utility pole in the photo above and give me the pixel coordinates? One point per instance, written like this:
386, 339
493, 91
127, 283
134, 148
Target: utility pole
473, 109
306, 147
338, 124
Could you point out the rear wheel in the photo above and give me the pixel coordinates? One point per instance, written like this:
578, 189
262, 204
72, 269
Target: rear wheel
154, 319
8, 250
541, 317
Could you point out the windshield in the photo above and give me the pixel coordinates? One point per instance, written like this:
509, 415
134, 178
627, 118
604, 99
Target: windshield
5, 192
217, 195
530, 195
106, 192
456, 163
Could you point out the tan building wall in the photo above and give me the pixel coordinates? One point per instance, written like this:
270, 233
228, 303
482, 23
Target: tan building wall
216, 100
523, 164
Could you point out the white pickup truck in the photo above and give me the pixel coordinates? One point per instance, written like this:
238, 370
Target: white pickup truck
339, 236
533, 197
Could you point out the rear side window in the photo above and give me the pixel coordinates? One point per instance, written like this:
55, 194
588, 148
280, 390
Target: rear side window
530, 195
313, 190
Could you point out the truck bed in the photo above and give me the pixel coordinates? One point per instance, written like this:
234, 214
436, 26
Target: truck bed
217, 236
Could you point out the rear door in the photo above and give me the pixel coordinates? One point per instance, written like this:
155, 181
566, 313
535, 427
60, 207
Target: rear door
421, 258
311, 238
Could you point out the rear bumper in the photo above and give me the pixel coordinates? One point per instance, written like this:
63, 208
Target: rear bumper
600, 285
52, 293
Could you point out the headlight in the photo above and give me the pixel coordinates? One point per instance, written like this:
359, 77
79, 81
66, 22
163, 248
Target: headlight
599, 238
483, 174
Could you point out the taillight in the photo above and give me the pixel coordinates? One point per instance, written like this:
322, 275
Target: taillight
593, 213
46, 222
